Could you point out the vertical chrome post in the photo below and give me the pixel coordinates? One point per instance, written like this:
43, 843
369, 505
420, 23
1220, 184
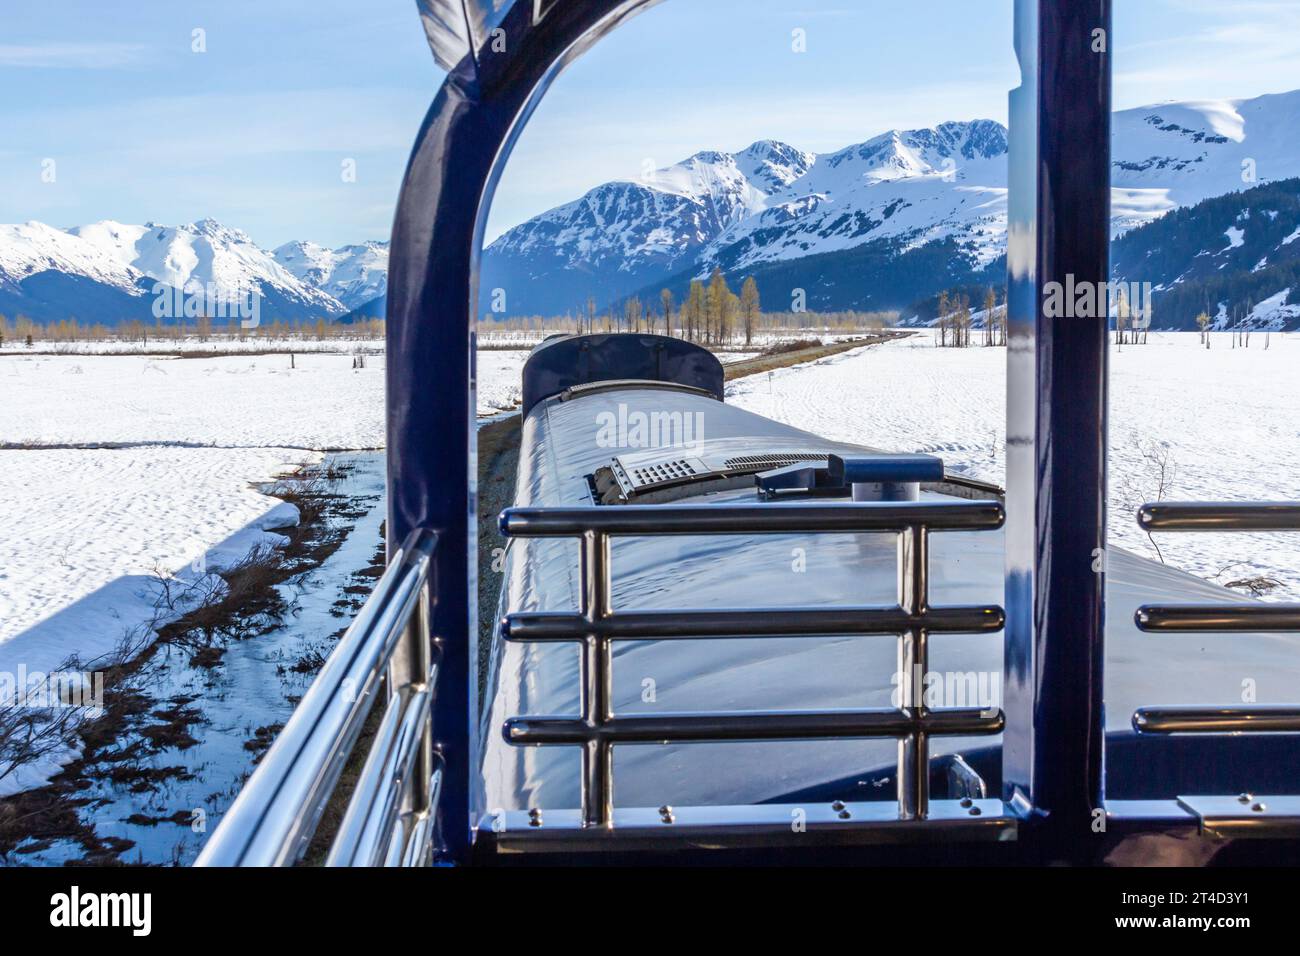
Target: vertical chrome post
597, 682
913, 664
1058, 237
409, 669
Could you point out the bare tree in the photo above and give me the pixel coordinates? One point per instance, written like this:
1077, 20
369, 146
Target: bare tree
1152, 481
749, 308
1203, 323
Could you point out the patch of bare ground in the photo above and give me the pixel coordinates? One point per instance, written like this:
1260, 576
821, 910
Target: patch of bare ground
121, 743
498, 463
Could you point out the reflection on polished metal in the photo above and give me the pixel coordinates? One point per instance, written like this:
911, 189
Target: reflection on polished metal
552, 626
1218, 618
767, 826
828, 517
1229, 618
596, 625
1233, 818
1217, 720
390, 819
1220, 516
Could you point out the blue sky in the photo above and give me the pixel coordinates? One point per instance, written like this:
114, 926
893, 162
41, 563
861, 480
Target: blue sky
254, 132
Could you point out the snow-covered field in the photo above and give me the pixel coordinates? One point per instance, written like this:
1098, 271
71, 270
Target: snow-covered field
316, 400
123, 472
87, 531
249, 401
119, 467
195, 436
1223, 422
216, 344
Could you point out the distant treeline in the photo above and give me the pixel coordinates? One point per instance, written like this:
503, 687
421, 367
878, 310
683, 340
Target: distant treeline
710, 313
21, 330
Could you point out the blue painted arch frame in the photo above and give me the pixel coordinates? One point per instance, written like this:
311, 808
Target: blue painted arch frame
1056, 382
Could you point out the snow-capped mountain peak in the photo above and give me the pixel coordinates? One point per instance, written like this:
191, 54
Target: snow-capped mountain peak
769, 201
353, 274
904, 154
32, 248
202, 255
902, 190
41, 267
772, 164
1176, 154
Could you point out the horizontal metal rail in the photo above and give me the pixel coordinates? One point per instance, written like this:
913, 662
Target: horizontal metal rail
1221, 816
825, 518
739, 623
755, 725
1220, 516
1255, 719
273, 819
1241, 618
1227, 618
596, 625
764, 826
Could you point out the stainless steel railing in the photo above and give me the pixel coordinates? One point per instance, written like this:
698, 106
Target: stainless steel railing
390, 816
596, 625
1222, 618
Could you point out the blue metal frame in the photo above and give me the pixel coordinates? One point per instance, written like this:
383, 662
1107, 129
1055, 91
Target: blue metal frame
1056, 379
1057, 403
462, 145
1056, 422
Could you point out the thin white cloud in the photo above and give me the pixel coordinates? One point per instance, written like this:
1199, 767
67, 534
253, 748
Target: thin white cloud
173, 130
65, 56
1248, 49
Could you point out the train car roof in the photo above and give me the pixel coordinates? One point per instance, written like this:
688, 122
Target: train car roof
563, 447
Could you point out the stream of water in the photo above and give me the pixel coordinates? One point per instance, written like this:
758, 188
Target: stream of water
174, 797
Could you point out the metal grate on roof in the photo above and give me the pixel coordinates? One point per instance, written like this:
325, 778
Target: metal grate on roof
766, 462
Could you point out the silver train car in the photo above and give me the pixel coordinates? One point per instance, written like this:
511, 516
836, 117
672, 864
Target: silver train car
621, 421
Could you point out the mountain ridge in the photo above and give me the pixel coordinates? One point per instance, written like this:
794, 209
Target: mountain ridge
888, 197
885, 223
50, 274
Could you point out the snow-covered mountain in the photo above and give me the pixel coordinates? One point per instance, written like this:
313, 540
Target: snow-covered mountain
881, 224
352, 274
919, 185
767, 203
1177, 154
107, 271
624, 234
1235, 257
928, 196
33, 247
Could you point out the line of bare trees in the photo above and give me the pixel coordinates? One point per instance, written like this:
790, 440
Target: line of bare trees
711, 314
1239, 330
25, 332
956, 320
1128, 331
